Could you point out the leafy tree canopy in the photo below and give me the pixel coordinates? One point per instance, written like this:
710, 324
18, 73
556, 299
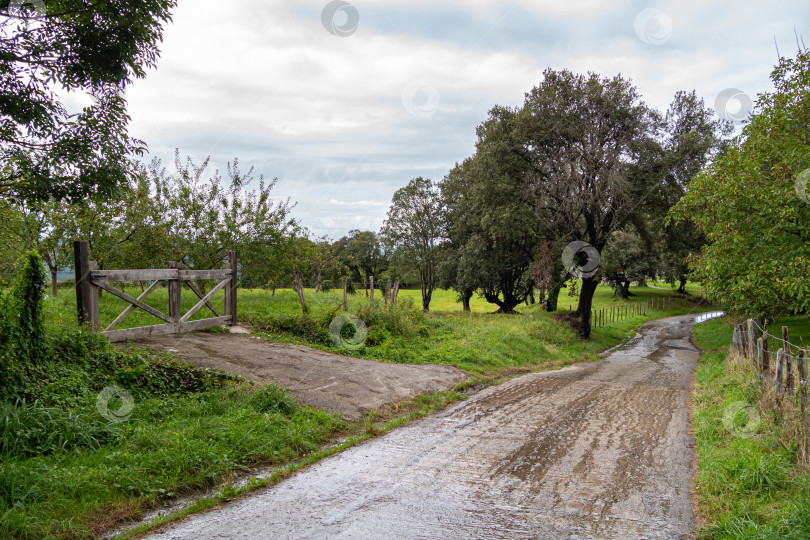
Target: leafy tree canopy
751, 207
53, 48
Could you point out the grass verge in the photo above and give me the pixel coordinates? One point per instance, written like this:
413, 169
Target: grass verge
752, 482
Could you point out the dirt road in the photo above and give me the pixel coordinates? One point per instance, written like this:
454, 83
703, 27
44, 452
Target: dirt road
601, 450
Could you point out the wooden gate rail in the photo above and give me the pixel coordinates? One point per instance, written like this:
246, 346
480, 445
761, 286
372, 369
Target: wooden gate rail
89, 280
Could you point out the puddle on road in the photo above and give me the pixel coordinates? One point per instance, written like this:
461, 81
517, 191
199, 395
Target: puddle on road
703, 317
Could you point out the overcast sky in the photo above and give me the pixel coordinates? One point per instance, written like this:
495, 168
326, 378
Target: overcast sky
346, 102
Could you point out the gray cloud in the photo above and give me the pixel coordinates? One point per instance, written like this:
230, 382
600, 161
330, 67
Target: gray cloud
266, 82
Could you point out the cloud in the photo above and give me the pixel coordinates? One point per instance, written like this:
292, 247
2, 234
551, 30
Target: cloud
358, 204
265, 81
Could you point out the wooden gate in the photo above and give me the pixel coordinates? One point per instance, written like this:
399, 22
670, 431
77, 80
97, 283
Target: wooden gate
89, 280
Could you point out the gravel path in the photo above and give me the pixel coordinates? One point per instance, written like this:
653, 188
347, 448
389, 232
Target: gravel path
600, 450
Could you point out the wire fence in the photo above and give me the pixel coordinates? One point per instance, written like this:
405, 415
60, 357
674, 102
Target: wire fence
605, 316
790, 362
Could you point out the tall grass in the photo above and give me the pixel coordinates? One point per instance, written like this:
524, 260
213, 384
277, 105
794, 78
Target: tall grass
754, 486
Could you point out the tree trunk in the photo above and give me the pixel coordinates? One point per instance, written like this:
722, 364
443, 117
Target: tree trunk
553, 296
585, 304
682, 288
466, 296
300, 290
318, 282
507, 305
395, 292
54, 286
427, 292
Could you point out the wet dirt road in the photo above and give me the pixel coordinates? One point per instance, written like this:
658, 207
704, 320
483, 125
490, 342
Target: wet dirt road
600, 450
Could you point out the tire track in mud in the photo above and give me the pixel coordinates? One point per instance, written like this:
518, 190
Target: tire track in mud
600, 450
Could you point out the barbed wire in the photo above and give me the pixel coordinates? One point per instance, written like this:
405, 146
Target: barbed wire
765, 333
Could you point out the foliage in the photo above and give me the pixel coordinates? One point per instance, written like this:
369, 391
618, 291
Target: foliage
96, 48
363, 253
23, 341
748, 205
415, 226
492, 233
207, 217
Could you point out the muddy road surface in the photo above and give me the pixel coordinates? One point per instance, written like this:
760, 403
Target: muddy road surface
600, 450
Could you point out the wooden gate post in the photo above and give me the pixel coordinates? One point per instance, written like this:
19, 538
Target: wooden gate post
175, 290
86, 293
230, 289
371, 289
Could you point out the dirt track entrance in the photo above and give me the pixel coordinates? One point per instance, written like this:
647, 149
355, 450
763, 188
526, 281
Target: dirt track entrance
600, 450
342, 384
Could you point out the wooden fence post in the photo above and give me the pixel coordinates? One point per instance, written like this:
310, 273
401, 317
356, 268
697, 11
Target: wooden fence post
175, 290
387, 291
751, 340
759, 355
801, 362
788, 361
780, 362
396, 292
371, 289
766, 357
345, 294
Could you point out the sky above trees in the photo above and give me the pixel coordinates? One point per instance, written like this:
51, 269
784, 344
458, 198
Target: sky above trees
345, 121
